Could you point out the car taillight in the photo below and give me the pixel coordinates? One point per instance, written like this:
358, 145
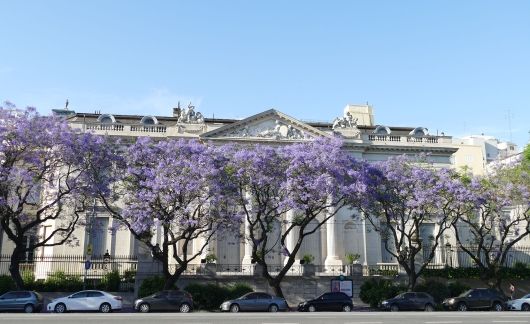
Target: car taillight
118, 298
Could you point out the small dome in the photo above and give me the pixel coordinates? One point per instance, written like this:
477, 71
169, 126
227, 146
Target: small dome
106, 119
419, 131
149, 120
382, 130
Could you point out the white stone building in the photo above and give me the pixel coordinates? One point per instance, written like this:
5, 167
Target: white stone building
329, 245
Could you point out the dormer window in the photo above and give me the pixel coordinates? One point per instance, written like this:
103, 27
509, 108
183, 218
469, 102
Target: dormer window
419, 131
382, 130
106, 119
149, 120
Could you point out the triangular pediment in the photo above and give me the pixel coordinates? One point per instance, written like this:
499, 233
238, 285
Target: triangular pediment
268, 125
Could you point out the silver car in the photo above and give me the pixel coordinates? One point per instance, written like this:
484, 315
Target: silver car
255, 302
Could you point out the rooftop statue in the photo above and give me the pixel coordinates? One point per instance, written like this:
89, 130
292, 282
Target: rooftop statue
190, 116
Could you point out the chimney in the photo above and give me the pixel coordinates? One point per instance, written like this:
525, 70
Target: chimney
177, 110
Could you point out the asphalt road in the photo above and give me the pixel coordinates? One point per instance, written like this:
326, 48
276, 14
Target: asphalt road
277, 318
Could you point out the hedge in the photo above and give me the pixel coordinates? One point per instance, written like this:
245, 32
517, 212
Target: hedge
211, 296
519, 271
374, 291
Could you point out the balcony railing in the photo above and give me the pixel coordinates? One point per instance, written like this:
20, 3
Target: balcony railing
404, 139
124, 128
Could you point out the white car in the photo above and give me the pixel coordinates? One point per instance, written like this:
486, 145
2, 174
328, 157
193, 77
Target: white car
86, 300
522, 303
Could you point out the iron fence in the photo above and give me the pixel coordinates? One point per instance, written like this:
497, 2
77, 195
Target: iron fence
456, 257
40, 268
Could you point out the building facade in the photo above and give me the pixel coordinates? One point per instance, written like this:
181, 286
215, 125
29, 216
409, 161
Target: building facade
329, 245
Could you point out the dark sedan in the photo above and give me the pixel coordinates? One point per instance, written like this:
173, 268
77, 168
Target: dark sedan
331, 301
410, 301
479, 298
167, 300
255, 301
27, 301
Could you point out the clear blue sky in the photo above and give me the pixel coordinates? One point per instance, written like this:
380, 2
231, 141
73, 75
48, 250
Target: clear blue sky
462, 67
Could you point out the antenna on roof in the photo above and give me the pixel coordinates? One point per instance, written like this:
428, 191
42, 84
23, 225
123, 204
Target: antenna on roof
66, 105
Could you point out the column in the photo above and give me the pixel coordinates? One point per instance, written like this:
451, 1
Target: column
292, 237
365, 254
247, 257
332, 258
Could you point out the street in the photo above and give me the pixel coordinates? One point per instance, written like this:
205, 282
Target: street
276, 318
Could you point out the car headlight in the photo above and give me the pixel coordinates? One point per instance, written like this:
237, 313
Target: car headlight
384, 302
451, 301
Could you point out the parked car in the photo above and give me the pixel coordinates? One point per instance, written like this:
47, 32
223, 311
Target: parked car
167, 300
86, 300
522, 304
409, 301
479, 298
331, 301
255, 301
27, 301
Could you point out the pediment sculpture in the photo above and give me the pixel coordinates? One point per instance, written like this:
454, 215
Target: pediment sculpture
274, 130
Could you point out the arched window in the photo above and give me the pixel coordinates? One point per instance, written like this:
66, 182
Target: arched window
106, 119
382, 130
419, 131
149, 120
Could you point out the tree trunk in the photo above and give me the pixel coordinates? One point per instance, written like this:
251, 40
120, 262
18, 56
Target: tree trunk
275, 285
413, 278
171, 279
14, 269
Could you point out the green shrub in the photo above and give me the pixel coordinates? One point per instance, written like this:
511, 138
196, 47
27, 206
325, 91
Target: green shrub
59, 281
129, 275
374, 291
211, 296
150, 286
111, 281
6, 284
438, 290
456, 288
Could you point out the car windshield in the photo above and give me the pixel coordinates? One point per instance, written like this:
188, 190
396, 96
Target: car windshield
465, 293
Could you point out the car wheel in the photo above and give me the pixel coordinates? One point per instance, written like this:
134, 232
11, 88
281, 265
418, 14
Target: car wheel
462, 307
312, 308
394, 308
105, 308
234, 308
525, 307
185, 308
60, 308
429, 308
497, 307
346, 308
273, 308
144, 308
29, 308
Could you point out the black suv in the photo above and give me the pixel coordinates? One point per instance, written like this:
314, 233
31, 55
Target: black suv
331, 301
167, 300
410, 301
479, 298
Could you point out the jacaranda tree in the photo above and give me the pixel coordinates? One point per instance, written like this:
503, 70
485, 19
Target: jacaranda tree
498, 220
312, 180
179, 188
401, 197
45, 178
